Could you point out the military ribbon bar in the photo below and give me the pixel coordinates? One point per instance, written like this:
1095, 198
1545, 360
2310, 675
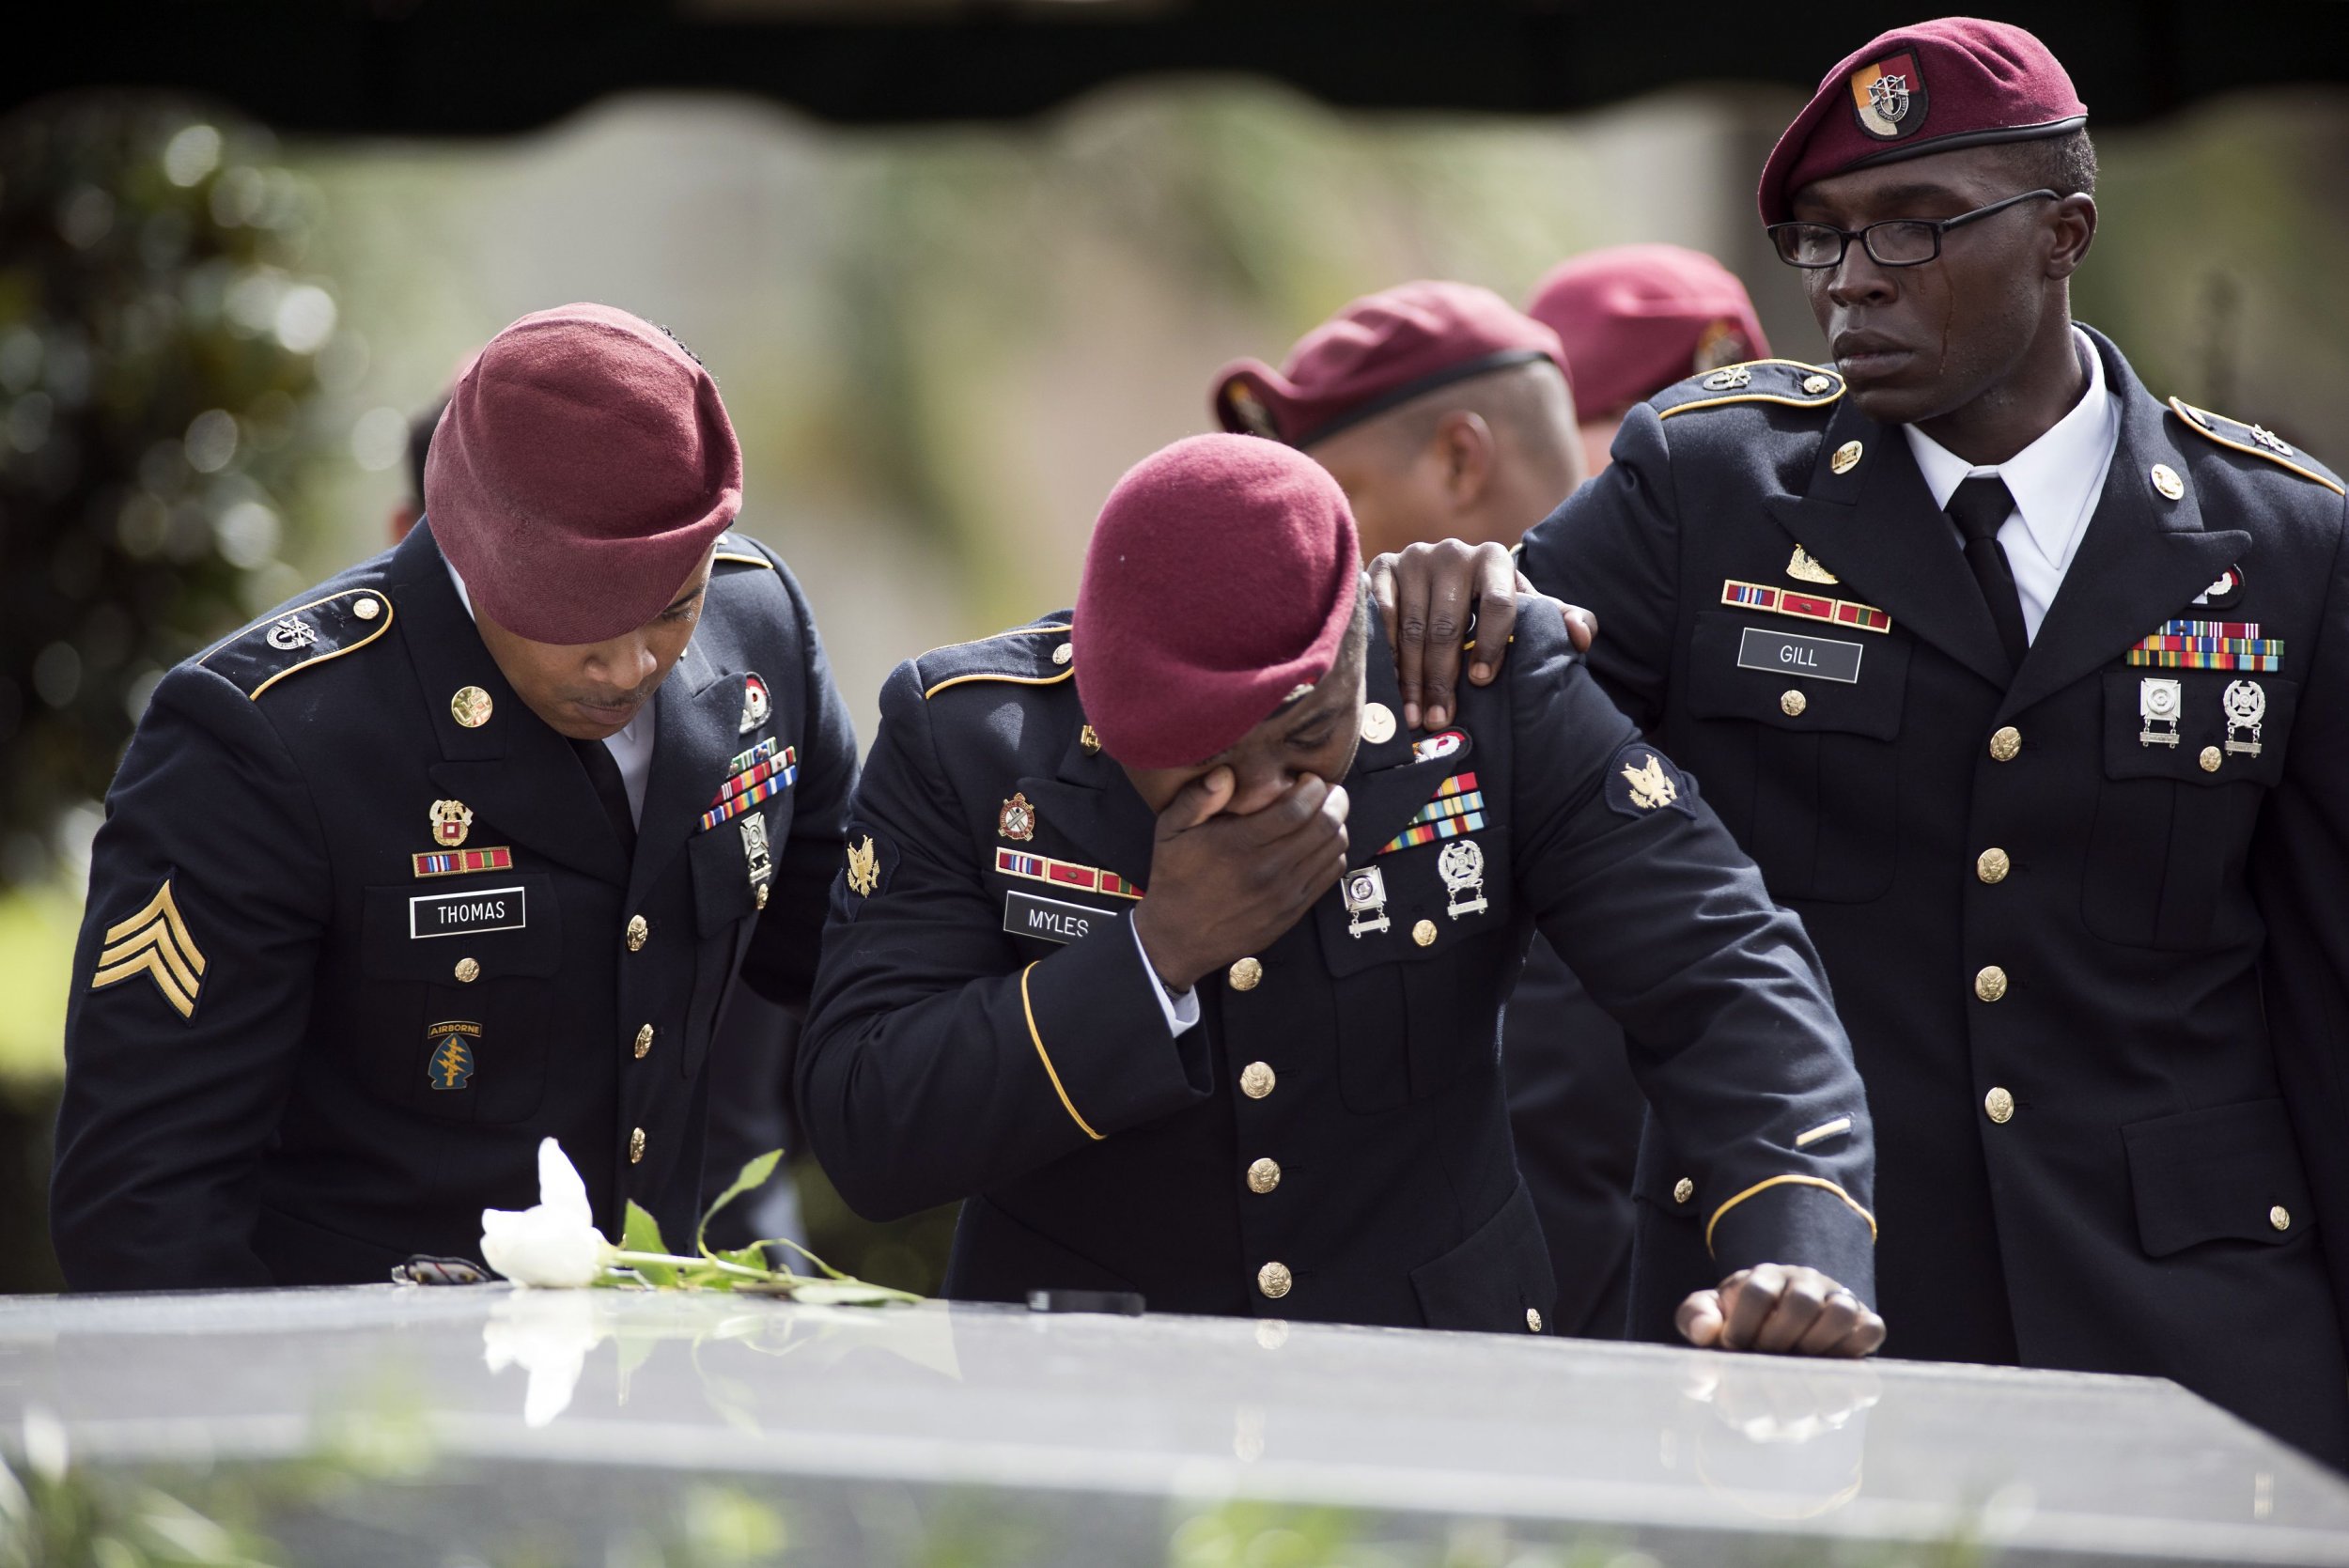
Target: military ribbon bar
759, 773
733, 803
757, 753
456, 862
2209, 645
1805, 607
1459, 807
1066, 873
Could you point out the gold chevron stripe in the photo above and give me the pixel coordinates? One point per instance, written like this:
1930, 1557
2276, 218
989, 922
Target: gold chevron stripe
154, 942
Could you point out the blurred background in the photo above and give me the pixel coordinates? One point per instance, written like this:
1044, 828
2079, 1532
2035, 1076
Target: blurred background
955, 266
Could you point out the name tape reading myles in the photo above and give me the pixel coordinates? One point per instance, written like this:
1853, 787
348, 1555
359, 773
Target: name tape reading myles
458, 914
1783, 653
1050, 918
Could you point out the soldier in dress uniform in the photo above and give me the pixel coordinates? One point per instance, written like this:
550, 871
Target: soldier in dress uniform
2014, 678
1442, 413
458, 851
1167, 948
1635, 319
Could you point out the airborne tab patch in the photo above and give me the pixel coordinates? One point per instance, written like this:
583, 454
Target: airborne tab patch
154, 942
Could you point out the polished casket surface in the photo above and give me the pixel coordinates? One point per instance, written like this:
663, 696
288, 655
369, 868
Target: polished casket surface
877, 1435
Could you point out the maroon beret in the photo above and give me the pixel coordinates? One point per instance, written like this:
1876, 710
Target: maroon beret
1221, 576
1958, 82
583, 467
1380, 352
1636, 318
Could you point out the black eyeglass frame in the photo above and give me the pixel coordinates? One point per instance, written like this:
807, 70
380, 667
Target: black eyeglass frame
1938, 226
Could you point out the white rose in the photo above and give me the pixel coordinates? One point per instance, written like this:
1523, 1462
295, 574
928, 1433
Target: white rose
555, 1244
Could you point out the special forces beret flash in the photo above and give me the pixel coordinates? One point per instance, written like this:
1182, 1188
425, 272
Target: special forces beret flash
1378, 352
1221, 576
584, 465
1952, 83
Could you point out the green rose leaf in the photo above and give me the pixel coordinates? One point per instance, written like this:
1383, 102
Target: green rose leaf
754, 1176
640, 1233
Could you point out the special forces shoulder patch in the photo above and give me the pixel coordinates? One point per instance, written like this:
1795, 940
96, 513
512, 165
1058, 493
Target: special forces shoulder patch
310, 634
1642, 781
2257, 440
154, 942
1035, 655
1785, 381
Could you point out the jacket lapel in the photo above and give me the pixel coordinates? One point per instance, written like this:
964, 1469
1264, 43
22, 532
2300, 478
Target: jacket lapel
1878, 529
698, 717
1090, 807
520, 777
2142, 559
1385, 787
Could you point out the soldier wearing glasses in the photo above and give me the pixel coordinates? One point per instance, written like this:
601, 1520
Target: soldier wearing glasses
2018, 681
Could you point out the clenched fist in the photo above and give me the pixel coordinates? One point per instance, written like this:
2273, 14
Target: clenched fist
1780, 1308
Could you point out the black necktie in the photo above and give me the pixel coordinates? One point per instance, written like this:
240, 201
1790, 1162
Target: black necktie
604, 773
1979, 506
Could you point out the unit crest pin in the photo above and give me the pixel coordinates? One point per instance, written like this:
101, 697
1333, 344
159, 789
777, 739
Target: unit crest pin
1462, 867
756, 705
756, 855
1017, 820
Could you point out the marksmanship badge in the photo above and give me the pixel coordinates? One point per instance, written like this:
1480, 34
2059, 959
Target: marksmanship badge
1462, 867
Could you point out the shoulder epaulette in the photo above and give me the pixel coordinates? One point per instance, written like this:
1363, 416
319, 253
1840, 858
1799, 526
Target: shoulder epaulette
2258, 442
735, 551
299, 639
1034, 655
1786, 382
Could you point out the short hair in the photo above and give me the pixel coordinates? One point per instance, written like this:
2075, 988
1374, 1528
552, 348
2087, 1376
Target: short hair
2066, 164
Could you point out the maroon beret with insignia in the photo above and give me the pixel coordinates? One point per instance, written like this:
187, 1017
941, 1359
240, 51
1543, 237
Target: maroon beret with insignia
1221, 576
1636, 318
1957, 81
1378, 352
584, 465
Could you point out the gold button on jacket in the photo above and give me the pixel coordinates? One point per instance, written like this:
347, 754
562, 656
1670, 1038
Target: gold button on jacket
636, 1147
1264, 1175
1533, 1319
1257, 1078
644, 1041
1424, 933
2000, 1105
2005, 742
1792, 703
639, 932
1990, 983
2280, 1218
1683, 1190
1246, 974
1992, 865
1273, 1280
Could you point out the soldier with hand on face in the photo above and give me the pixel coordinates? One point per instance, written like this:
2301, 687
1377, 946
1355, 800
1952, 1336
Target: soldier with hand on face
1442, 412
2019, 682
1163, 945
1633, 319
458, 851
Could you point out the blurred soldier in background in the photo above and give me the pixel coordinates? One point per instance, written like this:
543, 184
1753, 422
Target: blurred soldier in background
1443, 412
459, 851
1635, 319
1162, 943
2023, 685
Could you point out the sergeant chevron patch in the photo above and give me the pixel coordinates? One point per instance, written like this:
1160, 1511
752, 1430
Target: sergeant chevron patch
154, 942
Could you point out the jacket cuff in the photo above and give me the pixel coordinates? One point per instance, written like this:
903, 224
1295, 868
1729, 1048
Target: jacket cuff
1096, 1019
1799, 1220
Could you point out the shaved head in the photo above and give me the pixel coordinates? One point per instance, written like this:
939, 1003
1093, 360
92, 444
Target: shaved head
1482, 458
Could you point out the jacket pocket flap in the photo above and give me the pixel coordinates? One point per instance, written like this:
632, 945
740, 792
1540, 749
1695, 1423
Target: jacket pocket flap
2230, 1173
1492, 1278
1757, 666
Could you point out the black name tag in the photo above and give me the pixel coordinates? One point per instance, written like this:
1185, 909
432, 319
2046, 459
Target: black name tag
1049, 920
461, 914
1786, 654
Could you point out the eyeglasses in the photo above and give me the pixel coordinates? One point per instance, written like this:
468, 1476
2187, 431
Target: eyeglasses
1899, 242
